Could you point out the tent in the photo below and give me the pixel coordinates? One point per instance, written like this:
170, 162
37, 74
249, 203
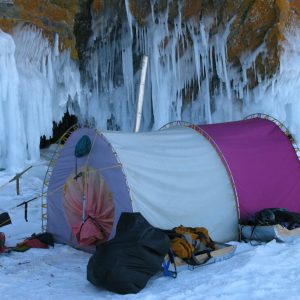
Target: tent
194, 175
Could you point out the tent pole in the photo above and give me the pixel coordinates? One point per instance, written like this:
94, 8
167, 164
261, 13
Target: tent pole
140, 99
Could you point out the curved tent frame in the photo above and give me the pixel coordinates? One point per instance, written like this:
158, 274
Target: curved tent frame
215, 146
263, 161
51, 165
283, 128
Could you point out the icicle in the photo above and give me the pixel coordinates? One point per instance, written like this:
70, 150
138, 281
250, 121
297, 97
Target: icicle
189, 74
129, 17
56, 45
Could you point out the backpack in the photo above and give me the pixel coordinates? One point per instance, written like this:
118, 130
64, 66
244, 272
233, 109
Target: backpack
188, 242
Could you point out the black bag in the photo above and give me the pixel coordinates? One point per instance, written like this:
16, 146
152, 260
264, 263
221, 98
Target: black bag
4, 219
125, 264
272, 216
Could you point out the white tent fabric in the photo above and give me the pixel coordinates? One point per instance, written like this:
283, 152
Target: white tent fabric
176, 177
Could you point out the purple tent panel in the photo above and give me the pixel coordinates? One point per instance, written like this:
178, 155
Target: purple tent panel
101, 158
263, 163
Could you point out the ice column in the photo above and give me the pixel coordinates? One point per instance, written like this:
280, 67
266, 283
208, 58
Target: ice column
38, 83
12, 140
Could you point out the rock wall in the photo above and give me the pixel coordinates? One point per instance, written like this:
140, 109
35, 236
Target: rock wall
254, 21
209, 61
52, 16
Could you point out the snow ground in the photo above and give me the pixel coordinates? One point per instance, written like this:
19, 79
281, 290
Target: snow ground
270, 270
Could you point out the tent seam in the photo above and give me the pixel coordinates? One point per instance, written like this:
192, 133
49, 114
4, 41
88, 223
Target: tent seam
217, 149
282, 128
223, 159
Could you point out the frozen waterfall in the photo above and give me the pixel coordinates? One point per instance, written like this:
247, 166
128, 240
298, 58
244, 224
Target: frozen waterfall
189, 78
12, 140
36, 83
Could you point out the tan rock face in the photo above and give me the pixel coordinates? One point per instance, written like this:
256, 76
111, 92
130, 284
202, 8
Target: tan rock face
254, 22
52, 16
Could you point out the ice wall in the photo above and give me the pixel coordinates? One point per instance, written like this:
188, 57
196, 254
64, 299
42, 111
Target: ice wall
36, 84
279, 96
11, 119
188, 78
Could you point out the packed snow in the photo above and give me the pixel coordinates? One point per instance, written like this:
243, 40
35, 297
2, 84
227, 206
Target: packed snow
254, 272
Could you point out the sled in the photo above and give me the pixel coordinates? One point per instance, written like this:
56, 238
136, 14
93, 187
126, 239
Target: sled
223, 251
269, 233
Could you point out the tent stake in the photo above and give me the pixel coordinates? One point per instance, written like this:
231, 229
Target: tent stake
140, 99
